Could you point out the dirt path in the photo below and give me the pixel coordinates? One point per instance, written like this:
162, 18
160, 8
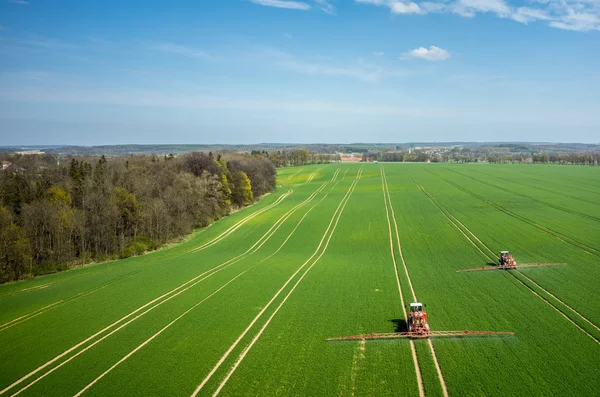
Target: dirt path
491, 256
263, 310
412, 343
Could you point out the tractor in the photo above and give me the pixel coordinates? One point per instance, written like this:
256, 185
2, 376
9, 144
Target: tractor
506, 260
417, 321
419, 329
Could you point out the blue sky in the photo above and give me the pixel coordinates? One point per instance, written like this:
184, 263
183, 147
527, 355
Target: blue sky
249, 71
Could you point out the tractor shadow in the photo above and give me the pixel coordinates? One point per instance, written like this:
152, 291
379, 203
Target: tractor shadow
400, 324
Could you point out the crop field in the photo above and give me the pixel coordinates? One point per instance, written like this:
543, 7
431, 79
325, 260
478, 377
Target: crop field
244, 307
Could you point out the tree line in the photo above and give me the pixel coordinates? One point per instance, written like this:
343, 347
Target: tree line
295, 157
56, 213
467, 155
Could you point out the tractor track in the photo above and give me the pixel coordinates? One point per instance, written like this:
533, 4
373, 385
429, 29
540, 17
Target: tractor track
412, 342
312, 176
240, 223
491, 257
168, 295
414, 295
289, 178
96, 288
147, 341
331, 227
131, 353
544, 189
557, 207
568, 240
42, 286
562, 179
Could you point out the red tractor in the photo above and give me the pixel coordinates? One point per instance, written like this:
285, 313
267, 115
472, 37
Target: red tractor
417, 321
506, 260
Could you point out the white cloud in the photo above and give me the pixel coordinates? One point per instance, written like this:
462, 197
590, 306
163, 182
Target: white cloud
498, 7
579, 21
374, 2
378, 53
325, 6
289, 4
575, 15
405, 8
181, 50
396, 7
18, 1
432, 54
526, 15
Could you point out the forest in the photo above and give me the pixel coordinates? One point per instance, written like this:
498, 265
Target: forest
60, 212
502, 154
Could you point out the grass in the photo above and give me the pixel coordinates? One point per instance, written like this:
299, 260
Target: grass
540, 213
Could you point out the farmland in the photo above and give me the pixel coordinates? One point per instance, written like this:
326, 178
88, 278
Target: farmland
244, 306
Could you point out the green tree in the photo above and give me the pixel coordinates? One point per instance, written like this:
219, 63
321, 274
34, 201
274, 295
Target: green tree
15, 249
225, 191
128, 210
241, 194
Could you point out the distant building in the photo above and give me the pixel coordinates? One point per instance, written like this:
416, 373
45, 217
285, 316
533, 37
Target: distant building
349, 159
31, 152
5, 165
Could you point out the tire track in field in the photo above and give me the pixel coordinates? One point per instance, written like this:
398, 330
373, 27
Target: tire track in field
42, 286
414, 295
169, 295
218, 268
53, 305
215, 292
312, 176
240, 223
491, 257
412, 342
562, 179
568, 240
44, 309
563, 194
331, 227
131, 353
255, 339
551, 205
293, 175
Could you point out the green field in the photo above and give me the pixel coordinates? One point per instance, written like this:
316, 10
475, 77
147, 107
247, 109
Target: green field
245, 305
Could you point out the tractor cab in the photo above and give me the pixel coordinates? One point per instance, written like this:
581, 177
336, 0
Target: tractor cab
506, 260
417, 320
